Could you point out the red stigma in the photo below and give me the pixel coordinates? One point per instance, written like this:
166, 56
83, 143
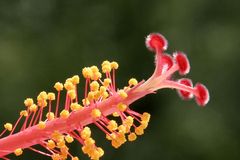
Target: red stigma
156, 42
184, 94
183, 63
203, 95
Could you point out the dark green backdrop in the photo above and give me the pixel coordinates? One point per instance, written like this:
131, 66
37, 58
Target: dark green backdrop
44, 41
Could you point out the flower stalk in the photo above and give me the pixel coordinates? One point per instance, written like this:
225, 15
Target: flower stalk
101, 105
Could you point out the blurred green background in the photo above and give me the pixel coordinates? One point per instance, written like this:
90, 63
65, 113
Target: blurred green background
44, 41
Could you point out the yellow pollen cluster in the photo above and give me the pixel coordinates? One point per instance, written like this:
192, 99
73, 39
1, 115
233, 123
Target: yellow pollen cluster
122, 107
106, 67
75, 79
112, 125
69, 139
28, 102
24, 113
41, 125
114, 65
96, 75
18, 152
132, 137
51, 144
132, 82
89, 146
68, 85
106, 82
58, 86
41, 99
87, 72
33, 108
122, 94
8, 126
72, 94
94, 86
51, 96
50, 116
76, 106
96, 113
64, 114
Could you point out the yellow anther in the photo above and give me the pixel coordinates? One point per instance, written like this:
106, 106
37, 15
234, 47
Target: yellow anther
91, 95
41, 125
8, 126
87, 149
132, 82
96, 153
128, 121
144, 124
145, 117
61, 143
112, 125
72, 94
24, 113
139, 130
96, 76
51, 144
64, 150
97, 95
111, 136
114, 65
42, 103
94, 69
42, 96
69, 139
57, 136
96, 113
85, 102
87, 72
115, 114
75, 158
56, 157
122, 93
33, 108
50, 116
122, 107
76, 106
89, 142
102, 89
28, 102
18, 151
51, 96
58, 86
85, 133
75, 79
116, 144
106, 67
106, 82
132, 137
64, 114
94, 86
106, 62
122, 129
68, 85
105, 95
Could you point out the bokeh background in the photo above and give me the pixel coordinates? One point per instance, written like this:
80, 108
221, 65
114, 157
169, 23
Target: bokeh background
44, 41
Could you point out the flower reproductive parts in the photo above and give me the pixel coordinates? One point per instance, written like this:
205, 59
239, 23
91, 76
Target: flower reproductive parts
52, 125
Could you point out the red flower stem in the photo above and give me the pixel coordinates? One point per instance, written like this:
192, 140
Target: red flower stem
3, 132
43, 153
57, 104
30, 124
15, 125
